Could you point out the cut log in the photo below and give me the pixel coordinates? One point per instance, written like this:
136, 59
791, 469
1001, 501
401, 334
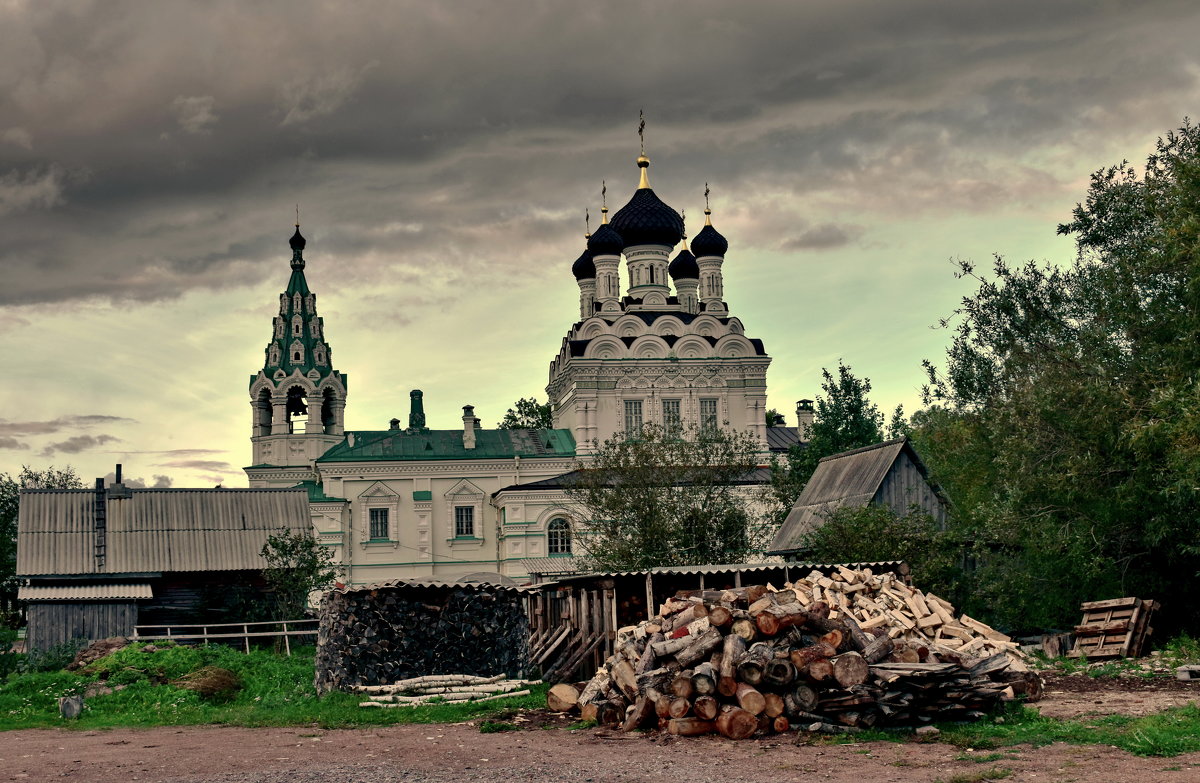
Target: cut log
610, 712
819, 671
562, 698
640, 716
682, 686
879, 648
749, 699
774, 705
781, 725
623, 675
720, 616
780, 617
589, 711
850, 669
754, 663
736, 724
662, 706
745, 628
802, 699
679, 707
706, 707
731, 655
815, 652
700, 648
704, 679
690, 727
779, 672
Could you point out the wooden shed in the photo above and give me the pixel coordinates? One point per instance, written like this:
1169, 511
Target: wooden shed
98, 562
887, 474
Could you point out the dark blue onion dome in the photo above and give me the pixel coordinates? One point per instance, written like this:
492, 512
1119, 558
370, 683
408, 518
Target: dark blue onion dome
646, 220
584, 268
297, 241
684, 266
709, 241
606, 242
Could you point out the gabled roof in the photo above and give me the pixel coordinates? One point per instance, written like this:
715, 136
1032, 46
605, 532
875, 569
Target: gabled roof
780, 439
153, 530
396, 445
849, 479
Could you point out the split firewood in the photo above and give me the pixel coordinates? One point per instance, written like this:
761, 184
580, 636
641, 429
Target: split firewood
700, 648
750, 699
642, 714
774, 706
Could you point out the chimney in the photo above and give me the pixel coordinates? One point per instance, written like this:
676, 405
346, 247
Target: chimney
394, 424
416, 411
470, 424
804, 420
118, 488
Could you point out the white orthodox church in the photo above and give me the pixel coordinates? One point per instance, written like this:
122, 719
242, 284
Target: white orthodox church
411, 502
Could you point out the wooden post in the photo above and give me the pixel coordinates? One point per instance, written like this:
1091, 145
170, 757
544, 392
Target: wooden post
737, 578
246, 638
287, 644
649, 596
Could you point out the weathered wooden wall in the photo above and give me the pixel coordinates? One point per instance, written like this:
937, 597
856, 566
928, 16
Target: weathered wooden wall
904, 486
52, 623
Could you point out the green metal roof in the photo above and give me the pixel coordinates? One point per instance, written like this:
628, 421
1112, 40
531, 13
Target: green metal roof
316, 494
389, 445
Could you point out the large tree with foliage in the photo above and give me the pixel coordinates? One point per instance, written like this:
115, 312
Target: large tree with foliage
664, 499
1064, 421
10, 491
845, 419
528, 413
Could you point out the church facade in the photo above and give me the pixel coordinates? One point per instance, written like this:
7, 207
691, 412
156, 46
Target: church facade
411, 502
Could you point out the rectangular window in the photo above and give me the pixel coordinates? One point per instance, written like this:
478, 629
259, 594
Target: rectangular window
379, 523
708, 414
671, 421
633, 417
464, 521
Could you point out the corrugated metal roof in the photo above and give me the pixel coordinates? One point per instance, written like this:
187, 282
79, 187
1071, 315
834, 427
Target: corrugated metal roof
473, 587
728, 568
154, 530
782, 438
84, 592
554, 566
846, 480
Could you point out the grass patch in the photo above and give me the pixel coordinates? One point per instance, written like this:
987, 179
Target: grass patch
986, 758
276, 691
492, 727
1168, 733
995, 773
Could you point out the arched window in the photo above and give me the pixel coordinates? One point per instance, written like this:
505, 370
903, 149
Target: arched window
558, 537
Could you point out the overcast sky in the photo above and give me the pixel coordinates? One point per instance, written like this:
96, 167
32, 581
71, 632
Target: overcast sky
442, 154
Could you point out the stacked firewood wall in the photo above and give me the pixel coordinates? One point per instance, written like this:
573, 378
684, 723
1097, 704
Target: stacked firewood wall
379, 635
826, 653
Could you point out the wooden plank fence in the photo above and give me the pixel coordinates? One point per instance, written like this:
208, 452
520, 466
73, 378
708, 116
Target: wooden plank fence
228, 632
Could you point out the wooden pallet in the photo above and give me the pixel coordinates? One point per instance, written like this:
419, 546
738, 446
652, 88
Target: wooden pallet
1117, 628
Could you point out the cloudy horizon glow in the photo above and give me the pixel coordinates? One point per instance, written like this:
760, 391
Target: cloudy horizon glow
151, 157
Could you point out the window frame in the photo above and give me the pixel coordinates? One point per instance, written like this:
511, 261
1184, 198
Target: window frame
708, 424
376, 516
459, 521
632, 429
559, 537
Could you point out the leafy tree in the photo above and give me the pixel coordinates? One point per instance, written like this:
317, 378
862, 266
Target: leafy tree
10, 489
871, 533
662, 499
1064, 420
296, 566
528, 414
845, 419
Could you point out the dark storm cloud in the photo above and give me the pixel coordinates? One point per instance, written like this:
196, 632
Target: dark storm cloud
135, 165
57, 425
77, 443
12, 444
823, 237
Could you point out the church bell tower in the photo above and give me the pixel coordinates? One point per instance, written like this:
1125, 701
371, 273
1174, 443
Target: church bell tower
298, 400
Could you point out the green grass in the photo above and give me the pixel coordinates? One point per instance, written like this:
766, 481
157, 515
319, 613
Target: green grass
1167, 733
277, 691
995, 773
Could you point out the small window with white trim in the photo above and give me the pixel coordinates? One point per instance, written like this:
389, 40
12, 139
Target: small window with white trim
464, 521
558, 537
379, 524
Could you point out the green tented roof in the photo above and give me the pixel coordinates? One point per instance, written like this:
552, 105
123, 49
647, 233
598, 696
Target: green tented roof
388, 445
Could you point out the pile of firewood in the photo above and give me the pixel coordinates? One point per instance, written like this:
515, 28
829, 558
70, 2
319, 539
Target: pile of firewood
443, 689
384, 633
832, 653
